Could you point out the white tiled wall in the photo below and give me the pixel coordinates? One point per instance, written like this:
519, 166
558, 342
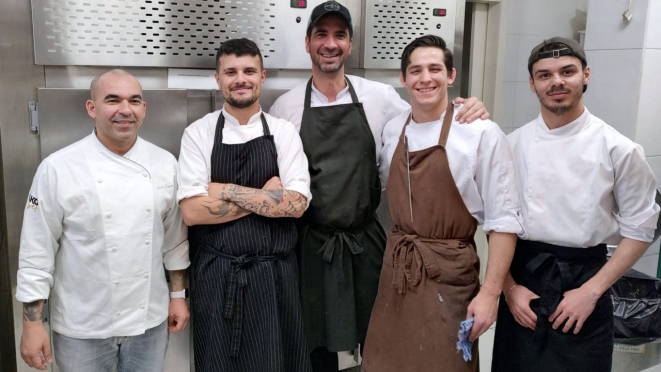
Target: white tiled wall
612, 93
648, 131
529, 22
606, 29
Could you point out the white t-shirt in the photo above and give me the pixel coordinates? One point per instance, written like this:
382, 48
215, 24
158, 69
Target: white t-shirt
197, 145
583, 184
380, 102
480, 161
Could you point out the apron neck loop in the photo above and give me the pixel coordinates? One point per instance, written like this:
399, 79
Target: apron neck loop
308, 93
220, 124
447, 123
408, 120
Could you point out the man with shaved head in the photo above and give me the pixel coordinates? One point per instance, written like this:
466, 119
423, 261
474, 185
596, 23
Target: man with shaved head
101, 224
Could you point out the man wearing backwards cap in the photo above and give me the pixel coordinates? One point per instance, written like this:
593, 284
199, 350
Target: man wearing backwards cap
583, 185
341, 243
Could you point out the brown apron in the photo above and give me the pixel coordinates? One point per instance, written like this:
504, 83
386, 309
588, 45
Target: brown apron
430, 268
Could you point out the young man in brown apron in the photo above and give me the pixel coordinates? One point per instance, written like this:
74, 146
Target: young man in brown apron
583, 185
445, 178
243, 179
341, 242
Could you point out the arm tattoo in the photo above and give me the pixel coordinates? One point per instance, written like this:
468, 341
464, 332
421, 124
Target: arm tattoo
221, 208
269, 203
32, 311
177, 280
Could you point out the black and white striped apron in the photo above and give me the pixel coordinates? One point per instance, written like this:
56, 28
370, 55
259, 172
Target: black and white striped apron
245, 294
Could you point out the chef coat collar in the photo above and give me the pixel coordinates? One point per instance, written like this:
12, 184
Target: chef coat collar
320, 97
432, 123
132, 154
231, 120
564, 131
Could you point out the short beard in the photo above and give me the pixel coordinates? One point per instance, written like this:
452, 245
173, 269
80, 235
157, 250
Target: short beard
241, 104
560, 109
329, 69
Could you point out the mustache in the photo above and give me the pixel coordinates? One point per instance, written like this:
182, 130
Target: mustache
554, 91
242, 86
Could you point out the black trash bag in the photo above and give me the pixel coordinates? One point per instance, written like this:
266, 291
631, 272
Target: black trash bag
636, 308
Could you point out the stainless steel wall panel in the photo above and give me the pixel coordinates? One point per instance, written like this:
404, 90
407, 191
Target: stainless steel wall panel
170, 33
64, 120
19, 78
391, 24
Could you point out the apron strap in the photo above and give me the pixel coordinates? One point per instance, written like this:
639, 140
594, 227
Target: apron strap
401, 135
447, 123
308, 93
265, 126
354, 97
220, 124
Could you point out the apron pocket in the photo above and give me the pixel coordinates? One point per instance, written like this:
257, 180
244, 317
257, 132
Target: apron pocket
458, 265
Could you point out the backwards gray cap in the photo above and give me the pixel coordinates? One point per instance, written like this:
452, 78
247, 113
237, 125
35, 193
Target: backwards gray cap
571, 48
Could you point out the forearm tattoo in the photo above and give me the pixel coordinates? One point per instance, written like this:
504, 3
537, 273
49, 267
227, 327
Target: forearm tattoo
32, 311
177, 280
222, 208
269, 203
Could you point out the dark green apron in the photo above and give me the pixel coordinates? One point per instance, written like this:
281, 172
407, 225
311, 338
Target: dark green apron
341, 242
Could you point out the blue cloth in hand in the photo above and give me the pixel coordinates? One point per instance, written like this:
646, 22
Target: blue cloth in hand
463, 344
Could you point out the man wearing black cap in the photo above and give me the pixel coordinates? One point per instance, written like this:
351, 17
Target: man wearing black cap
341, 242
583, 185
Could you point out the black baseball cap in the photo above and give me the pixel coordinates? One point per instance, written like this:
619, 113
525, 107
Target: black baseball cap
571, 48
329, 7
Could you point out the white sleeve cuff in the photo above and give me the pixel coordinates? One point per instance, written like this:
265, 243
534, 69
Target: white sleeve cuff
185, 192
641, 226
177, 258
33, 284
509, 225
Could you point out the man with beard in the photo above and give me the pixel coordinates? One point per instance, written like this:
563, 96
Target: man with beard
243, 179
341, 242
583, 185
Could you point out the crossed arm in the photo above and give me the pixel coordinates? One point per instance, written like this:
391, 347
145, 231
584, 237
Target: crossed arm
228, 202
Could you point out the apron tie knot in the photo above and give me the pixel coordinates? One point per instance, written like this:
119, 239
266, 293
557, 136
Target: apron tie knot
412, 255
238, 280
337, 242
557, 281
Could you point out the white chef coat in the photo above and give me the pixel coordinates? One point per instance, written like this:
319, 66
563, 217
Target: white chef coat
197, 145
380, 102
98, 228
583, 184
480, 161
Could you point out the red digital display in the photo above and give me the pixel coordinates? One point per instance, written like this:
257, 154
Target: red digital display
300, 4
440, 12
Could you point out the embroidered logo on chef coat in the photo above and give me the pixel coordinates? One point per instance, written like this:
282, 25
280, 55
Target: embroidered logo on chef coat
33, 203
166, 186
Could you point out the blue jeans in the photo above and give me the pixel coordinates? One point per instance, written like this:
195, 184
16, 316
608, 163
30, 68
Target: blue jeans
141, 353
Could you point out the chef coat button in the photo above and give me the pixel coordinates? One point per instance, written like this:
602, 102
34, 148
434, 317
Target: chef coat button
536, 140
108, 215
118, 313
146, 242
142, 307
146, 276
99, 180
116, 282
148, 209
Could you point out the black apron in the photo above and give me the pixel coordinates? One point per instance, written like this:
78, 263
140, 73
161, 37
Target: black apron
245, 299
341, 242
549, 271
